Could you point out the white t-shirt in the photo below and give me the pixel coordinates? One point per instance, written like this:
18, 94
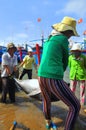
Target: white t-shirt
8, 60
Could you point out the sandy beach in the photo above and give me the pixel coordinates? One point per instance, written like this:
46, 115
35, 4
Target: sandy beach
27, 112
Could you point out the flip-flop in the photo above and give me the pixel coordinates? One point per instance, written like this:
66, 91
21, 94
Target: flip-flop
52, 126
85, 110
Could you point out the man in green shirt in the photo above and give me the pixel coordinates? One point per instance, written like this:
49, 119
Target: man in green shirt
51, 71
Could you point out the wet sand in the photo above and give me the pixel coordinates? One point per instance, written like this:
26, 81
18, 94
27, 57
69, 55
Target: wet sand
23, 111
28, 112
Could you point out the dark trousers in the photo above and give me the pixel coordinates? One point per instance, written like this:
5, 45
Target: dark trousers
28, 72
8, 86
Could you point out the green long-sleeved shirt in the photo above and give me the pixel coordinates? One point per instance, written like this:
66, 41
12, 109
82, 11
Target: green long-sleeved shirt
77, 67
54, 58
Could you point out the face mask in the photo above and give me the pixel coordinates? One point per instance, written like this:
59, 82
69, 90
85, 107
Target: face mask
76, 53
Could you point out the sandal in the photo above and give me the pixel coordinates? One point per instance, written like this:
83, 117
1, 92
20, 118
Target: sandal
85, 110
52, 126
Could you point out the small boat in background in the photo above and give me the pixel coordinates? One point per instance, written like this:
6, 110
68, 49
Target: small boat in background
3, 49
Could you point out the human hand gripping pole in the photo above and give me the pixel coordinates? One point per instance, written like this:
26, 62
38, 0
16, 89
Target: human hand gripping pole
11, 76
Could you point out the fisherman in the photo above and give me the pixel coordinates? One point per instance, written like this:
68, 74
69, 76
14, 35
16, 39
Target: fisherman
8, 68
27, 64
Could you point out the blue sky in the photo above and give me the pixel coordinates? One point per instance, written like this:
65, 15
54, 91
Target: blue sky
18, 19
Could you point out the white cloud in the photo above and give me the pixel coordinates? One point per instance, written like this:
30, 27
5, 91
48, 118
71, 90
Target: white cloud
77, 7
16, 38
47, 2
2, 43
9, 38
28, 24
21, 35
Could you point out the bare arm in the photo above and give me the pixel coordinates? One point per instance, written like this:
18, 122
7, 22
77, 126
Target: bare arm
7, 69
35, 65
21, 64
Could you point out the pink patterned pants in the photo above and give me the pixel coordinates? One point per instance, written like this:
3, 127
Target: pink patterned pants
81, 83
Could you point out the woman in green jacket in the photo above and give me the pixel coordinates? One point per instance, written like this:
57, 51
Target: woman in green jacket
77, 65
51, 71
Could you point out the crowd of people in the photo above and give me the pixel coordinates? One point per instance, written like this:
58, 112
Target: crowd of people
55, 59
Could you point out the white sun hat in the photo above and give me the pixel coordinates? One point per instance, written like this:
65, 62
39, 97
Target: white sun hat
30, 50
76, 46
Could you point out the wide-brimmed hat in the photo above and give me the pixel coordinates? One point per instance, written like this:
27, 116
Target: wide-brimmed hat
11, 45
67, 23
30, 50
76, 47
